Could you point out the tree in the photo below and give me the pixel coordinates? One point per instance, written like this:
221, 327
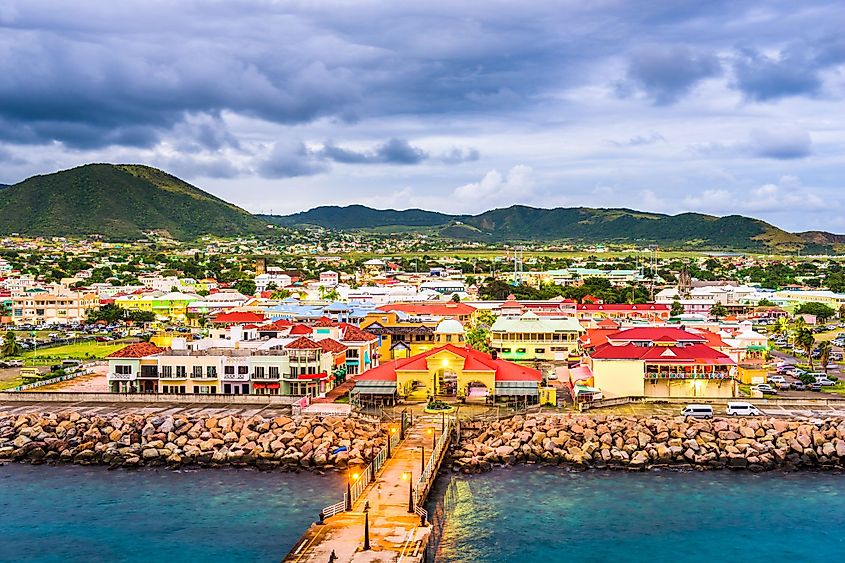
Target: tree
781, 326
824, 353
245, 287
718, 311
765, 303
677, 309
819, 310
10, 345
280, 294
805, 340
478, 334
456, 298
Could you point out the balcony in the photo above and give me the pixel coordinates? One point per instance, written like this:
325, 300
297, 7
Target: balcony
120, 376
266, 377
687, 375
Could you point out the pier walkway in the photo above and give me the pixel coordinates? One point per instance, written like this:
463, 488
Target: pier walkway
401, 483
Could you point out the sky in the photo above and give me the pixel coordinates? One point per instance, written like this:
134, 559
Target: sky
731, 107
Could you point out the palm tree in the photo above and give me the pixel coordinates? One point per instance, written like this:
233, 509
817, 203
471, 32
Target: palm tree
824, 353
781, 326
806, 341
10, 345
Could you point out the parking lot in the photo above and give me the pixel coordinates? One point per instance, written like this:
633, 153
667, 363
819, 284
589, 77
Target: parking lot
766, 406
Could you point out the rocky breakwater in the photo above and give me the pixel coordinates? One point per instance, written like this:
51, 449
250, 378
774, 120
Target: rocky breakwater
154, 440
756, 444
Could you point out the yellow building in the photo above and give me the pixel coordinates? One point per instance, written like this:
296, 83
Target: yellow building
528, 338
693, 370
449, 369
400, 336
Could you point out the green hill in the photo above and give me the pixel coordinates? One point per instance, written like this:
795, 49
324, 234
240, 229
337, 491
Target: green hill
119, 202
575, 224
354, 216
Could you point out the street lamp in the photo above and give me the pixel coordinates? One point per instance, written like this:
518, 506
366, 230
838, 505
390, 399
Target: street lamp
367, 526
349, 479
408, 476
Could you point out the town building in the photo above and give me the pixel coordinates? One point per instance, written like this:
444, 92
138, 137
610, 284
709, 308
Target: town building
529, 338
52, 305
451, 370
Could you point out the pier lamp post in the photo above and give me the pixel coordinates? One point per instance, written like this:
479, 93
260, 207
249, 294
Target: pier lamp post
367, 526
349, 480
422, 460
408, 475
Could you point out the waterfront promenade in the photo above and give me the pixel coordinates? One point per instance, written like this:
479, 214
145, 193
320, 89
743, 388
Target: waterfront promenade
395, 534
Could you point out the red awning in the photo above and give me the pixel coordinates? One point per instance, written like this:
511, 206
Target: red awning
260, 385
322, 375
272, 386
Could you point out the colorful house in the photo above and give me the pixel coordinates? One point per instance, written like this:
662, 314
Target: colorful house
134, 369
400, 335
450, 370
529, 338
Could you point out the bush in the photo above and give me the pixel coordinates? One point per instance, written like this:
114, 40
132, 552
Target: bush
806, 378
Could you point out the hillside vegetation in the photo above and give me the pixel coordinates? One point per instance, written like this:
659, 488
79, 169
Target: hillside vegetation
117, 201
575, 224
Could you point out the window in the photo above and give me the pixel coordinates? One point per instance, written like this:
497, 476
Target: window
539, 350
167, 371
274, 371
506, 350
520, 350
197, 371
211, 371
259, 371
181, 371
124, 370
243, 370
229, 370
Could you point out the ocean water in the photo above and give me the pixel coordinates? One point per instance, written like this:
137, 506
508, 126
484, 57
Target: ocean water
535, 514
74, 514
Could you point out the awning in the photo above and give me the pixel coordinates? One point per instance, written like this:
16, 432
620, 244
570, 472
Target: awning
374, 388
272, 385
514, 388
321, 375
584, 390
756, 348
260, 385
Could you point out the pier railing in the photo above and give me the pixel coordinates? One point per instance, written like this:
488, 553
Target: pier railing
368, 474
424, 482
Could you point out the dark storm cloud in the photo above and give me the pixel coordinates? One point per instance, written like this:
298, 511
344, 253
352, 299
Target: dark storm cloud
666, 73
763, 78
393, 151
289, 160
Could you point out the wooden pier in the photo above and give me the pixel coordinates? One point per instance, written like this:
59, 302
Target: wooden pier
382, 519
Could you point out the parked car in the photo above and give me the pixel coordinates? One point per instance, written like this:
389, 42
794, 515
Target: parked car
815, 387
739, 408
777, 379
783, 386
825, 382
698, 411
799, 386
766, 389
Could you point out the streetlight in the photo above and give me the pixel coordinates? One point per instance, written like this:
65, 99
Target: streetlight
349, 479
390, 439
367, 526
408, 476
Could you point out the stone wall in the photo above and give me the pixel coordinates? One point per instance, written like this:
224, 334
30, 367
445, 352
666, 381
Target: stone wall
152, 440
604, 441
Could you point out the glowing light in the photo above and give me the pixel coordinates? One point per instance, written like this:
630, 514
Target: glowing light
355, 476
406, 476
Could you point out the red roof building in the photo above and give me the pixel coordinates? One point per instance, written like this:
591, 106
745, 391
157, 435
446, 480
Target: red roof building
139, 350
238, 317
458, 311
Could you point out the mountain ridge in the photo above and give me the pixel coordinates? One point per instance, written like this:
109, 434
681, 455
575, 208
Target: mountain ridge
573, 224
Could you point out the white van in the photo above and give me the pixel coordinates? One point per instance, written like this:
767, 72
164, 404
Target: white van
698, 411
742, 409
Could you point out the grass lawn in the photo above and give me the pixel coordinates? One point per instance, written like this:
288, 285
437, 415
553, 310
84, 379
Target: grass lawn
838, 389
79, 351
10, 383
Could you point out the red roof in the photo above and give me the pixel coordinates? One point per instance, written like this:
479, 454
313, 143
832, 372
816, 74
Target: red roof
238, 317
303, 343
324, 321
598, 336
608, 323
300, 329
277, 325
623, 307
691, 354
352, 333
139, 350
447, 309
331, 345
656, 334
473, 361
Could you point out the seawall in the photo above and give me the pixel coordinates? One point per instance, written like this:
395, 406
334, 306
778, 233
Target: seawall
628, 442
129, 440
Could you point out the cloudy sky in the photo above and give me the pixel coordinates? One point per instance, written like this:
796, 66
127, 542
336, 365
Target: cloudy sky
681, 105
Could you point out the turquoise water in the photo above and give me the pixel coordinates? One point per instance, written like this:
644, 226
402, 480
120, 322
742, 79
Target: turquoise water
534, 514
74, 514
